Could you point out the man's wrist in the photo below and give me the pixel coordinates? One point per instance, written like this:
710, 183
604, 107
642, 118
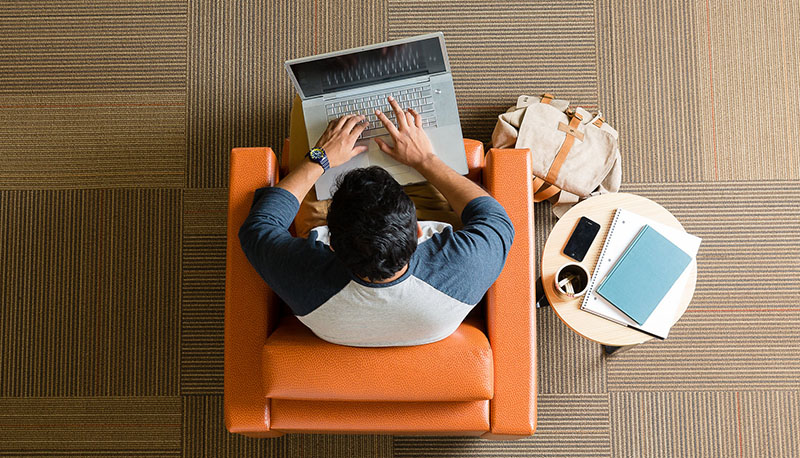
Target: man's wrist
428, 163
312, 167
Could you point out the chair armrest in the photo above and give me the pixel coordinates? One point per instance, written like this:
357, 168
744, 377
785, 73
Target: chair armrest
510, 309
250, 306
476, 160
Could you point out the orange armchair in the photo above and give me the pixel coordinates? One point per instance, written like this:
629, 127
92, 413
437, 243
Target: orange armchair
480, 381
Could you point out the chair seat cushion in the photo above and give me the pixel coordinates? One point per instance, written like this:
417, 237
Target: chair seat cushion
298, 365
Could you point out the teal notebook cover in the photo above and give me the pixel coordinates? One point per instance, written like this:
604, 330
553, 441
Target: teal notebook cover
643, 274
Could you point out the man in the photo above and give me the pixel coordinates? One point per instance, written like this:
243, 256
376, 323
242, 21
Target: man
374, 276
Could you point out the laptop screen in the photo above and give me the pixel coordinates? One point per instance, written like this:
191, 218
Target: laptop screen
373, 66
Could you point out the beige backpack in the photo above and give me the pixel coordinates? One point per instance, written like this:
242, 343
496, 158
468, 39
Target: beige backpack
574, 155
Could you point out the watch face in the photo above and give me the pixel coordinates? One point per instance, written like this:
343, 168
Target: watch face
315, 154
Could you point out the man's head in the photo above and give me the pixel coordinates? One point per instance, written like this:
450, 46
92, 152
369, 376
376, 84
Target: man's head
373, 223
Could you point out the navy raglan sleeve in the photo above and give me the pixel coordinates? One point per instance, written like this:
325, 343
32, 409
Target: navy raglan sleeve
303, 272
464, 264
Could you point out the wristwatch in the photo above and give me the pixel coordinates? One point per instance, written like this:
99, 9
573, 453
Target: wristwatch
318, 155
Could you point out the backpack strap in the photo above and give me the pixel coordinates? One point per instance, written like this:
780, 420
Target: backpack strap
543, 190
547, 98
572, 132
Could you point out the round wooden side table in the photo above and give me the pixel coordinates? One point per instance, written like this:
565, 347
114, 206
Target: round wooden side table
601, 209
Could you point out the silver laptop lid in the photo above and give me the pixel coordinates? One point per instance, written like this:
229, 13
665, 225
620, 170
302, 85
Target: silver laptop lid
374, 64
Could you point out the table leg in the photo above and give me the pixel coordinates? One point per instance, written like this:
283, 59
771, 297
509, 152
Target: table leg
610, 350
541, 298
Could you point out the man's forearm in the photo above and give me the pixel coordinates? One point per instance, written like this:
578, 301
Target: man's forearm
300, 180
457, 189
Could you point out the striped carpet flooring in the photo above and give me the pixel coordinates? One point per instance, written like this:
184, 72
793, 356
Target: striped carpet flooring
116, 121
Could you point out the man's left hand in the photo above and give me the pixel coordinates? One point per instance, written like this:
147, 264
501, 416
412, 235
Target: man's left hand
340, 137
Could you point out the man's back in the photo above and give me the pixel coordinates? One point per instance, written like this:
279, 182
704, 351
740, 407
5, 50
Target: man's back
447, 275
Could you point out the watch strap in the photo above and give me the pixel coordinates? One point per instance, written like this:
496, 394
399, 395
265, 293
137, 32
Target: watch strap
322, 161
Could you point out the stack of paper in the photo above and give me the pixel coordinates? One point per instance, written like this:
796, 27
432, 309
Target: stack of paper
649, 281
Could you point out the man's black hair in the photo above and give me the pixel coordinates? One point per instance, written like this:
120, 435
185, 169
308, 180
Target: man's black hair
373, 223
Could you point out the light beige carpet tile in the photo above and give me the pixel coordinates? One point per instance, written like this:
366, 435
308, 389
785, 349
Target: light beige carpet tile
749, 258
499, 51
567, 363
90, 426
92, 95
649, 89
204, 437
750, 87
90, 291
574, 425
715, 350
768, 423
544, 220
674, 424
203, 290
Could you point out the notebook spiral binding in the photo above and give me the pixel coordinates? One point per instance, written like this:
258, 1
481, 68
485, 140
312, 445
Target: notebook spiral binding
592, 283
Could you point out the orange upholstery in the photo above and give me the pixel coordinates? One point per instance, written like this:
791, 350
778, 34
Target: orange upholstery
280, 378
250, 307
297, 365
475, 159
510, 320
441, 418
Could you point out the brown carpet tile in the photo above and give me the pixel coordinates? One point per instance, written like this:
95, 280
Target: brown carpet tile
563, 418
203, 290
93, 95
90, 293
116, 122
498, 53
203, 438
90, 426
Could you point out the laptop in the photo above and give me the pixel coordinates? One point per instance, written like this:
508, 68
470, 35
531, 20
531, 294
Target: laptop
415, 71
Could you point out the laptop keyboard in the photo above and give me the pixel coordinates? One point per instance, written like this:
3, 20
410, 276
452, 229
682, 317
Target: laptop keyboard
419, 98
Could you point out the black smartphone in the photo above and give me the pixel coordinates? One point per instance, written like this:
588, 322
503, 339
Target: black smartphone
581, 239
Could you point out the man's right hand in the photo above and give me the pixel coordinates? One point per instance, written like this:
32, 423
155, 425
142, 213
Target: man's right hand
411, 145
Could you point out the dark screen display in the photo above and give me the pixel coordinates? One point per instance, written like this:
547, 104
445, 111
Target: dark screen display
581, 239
374, 66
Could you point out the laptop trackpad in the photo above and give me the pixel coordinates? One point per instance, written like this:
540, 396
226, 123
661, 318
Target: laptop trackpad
401, 172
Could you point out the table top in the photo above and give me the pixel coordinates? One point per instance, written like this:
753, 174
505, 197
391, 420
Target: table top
600, 209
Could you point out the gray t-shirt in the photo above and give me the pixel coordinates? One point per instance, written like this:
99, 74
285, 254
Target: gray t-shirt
448, 274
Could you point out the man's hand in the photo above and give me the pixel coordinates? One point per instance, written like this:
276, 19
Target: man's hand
338, 141
411, 145
340, 137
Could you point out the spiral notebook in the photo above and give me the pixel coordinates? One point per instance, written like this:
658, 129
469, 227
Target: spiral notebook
624, 229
